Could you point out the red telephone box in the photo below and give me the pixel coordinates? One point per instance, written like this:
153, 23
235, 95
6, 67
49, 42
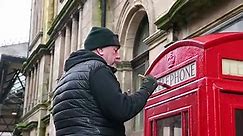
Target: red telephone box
205, 97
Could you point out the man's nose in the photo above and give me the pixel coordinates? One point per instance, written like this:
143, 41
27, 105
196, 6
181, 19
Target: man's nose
118, 58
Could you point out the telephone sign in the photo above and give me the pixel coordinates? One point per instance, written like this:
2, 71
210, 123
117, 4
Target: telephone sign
178, 76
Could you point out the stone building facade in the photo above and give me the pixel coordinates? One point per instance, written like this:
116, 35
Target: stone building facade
145, 28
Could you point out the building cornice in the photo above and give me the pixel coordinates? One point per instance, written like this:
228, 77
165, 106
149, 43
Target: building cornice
157, 36
20, 127
35, 55
124, 66
70, 7
34, 41
46, 119
181, 12
219, 22
33, 111
27, 126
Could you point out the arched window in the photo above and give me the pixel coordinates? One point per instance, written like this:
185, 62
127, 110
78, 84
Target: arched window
140, 62
143, 31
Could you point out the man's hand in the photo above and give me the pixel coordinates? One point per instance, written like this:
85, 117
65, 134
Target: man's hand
149, 83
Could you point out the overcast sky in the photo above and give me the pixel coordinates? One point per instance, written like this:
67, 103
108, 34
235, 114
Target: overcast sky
14, 21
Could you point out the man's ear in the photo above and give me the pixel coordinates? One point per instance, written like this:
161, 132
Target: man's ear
100, 51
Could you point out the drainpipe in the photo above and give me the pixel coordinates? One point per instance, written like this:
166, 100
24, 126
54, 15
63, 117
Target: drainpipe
103, 13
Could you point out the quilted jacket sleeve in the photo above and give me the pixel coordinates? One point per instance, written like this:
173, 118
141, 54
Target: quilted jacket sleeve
113, 103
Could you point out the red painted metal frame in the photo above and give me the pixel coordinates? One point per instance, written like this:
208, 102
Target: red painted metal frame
210, 98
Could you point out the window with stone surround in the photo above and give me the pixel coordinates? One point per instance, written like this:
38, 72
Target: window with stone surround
140, 63
232, 24
36, 18
235, 24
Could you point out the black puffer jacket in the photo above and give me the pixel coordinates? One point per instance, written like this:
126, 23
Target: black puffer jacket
88, 100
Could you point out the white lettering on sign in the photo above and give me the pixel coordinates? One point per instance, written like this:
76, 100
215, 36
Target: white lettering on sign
178, 76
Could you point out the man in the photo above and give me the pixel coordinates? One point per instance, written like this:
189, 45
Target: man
88, 100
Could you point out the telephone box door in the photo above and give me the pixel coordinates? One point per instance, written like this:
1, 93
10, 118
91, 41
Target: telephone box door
232, 113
